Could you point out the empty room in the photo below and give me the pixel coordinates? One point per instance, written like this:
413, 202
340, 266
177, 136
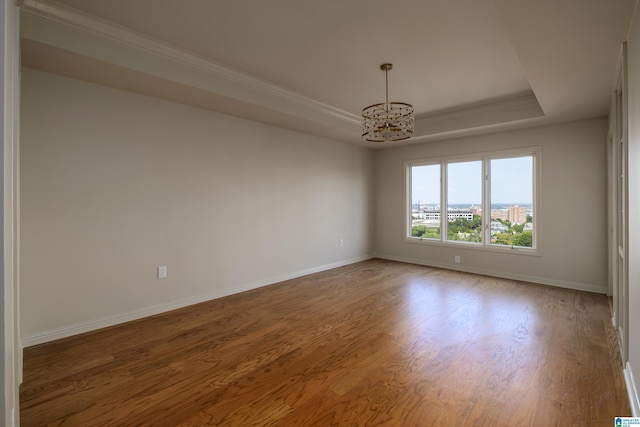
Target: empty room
250, 213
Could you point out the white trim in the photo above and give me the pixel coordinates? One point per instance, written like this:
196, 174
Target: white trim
81, 21
632, 390
11, 79
92, 325
501, 274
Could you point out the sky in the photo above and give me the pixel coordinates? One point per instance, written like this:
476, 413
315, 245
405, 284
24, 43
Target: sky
511, 182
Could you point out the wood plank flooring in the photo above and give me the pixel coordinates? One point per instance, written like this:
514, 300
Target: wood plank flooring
374, 343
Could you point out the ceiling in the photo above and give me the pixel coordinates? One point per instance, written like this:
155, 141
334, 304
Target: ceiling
467, 66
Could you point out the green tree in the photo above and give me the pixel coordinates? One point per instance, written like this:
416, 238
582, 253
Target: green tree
432, 233
418, 230
424, 232
525, 239
466, 230
476, 223
504, 239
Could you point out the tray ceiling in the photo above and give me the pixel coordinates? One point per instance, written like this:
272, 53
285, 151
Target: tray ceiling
467, 66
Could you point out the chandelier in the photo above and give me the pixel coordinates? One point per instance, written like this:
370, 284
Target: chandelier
387, 121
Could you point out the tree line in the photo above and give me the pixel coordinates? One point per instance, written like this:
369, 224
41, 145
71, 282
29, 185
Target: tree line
471, 231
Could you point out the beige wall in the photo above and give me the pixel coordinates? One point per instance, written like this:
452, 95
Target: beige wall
633, 51
571, 221
115, 184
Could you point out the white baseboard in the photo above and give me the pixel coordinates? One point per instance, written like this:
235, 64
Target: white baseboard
632, 390
92, 325
501, 274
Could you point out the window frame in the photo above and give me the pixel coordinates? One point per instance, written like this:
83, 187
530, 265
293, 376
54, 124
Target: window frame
485, 158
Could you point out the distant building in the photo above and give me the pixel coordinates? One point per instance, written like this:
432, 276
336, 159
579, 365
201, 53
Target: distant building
431, 214
498, 227
453, 214
502, 214
517, 215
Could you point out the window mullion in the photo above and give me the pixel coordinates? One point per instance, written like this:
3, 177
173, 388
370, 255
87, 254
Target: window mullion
444, 224
486, 202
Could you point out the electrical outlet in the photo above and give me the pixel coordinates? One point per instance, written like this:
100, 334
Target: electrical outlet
162, 272
457, 259
341, 242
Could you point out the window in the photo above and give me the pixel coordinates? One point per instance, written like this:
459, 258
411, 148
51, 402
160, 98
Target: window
464, 194
425, 205
489, 200
511, 201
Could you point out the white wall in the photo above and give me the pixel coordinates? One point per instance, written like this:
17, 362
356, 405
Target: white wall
572, 216
115, 184
633, 52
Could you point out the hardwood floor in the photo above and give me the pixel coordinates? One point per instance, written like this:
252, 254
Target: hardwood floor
373, 343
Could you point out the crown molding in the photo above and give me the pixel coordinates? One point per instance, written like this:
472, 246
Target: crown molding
518, 101
90, 24
497, 111
51, 23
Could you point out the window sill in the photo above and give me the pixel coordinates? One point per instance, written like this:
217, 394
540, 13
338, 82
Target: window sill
474, 246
